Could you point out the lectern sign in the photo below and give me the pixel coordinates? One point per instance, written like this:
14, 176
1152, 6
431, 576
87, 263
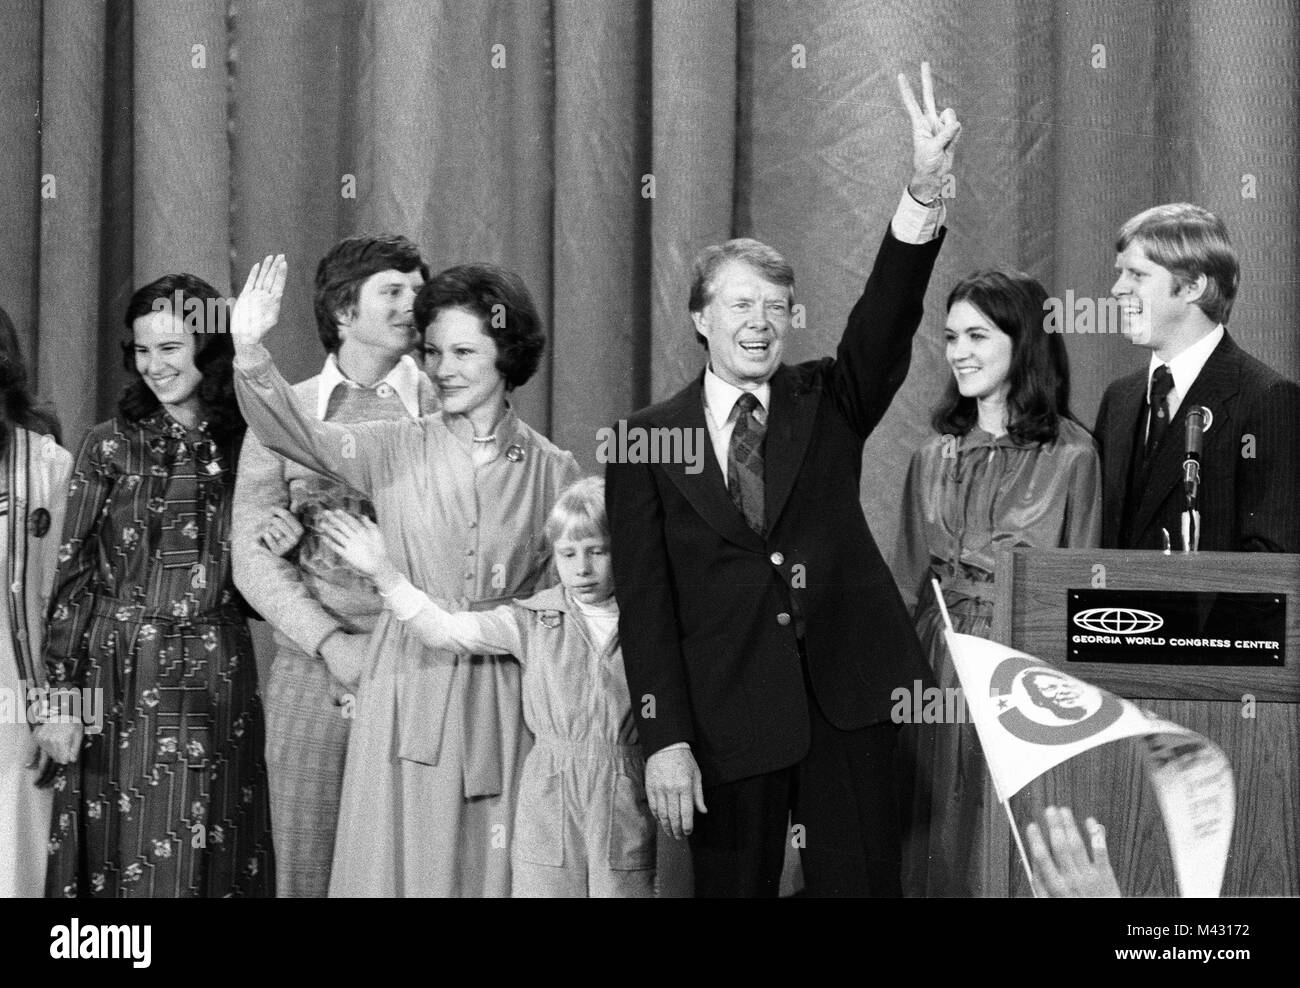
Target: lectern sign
1176, 627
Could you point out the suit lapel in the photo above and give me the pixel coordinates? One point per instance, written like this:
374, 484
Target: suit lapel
1213, 387
706, 491
789, 429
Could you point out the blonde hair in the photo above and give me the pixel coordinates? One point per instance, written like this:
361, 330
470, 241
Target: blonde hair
579, 512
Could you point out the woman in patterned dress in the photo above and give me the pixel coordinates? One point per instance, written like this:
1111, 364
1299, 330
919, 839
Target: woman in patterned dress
169, 798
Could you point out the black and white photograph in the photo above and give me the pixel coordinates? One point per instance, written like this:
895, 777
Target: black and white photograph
650, 449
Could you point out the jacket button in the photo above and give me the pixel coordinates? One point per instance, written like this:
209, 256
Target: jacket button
777, 558
783, 619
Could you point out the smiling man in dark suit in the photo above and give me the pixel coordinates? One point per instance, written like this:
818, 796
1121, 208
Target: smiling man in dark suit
762, 632
1178, 277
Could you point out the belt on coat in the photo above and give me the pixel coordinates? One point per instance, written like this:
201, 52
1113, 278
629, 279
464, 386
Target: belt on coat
423, 698
125, 610
585, 748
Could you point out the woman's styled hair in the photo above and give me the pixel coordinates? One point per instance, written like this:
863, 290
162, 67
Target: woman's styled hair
17, 409
499, 297
579, 512
203, 312
1039, 377
1189, 241
341, 273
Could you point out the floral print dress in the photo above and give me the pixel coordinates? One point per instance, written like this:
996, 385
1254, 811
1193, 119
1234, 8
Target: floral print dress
169, 798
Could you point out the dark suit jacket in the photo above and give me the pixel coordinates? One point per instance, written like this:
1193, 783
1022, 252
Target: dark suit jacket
708, 609
1250, 464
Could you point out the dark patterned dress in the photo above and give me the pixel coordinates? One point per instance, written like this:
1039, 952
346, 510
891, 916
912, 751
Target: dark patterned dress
169, 799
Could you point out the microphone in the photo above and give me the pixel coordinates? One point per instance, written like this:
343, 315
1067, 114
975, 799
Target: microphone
1197, 420
1192, 458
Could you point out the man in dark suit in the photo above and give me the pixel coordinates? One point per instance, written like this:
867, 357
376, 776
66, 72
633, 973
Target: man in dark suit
1178, 276
762, 633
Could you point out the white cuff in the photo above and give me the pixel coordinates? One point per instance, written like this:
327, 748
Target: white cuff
917, 224
404, 600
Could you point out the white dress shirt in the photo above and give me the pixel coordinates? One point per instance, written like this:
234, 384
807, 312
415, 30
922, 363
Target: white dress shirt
1184, 368
404, 379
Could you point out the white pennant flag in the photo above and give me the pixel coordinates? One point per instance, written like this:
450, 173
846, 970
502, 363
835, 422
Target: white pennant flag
1031, 716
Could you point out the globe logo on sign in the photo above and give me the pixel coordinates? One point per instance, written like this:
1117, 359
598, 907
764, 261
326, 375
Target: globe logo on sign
1118, 620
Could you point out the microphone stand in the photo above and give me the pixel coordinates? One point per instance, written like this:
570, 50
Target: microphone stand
1192, 481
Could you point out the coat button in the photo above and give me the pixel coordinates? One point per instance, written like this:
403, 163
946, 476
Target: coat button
783, 619
384, 390
777, 558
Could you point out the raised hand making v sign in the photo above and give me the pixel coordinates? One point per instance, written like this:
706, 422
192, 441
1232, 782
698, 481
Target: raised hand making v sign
934, 136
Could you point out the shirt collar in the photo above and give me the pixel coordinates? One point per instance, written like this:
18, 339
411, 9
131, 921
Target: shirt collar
1187, 365
404, 379
720, 397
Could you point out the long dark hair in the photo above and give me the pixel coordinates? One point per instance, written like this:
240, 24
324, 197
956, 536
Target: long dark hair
1039, 378
17, 408
213, 354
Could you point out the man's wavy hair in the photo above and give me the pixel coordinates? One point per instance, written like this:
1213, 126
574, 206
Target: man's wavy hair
341, 273
1039, 378
499, 297
213, 355
17, 407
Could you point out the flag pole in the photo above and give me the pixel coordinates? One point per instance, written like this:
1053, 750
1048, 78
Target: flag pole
943, 608
1024, 858
1006, 803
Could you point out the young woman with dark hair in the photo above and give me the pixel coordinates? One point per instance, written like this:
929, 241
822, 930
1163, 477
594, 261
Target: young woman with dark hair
34, 472
168, 798
1010, 467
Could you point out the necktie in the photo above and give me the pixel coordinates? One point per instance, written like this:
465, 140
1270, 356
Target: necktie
745, 462
1162, 382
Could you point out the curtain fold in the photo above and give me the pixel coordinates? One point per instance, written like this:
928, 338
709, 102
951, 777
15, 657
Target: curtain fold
72, 73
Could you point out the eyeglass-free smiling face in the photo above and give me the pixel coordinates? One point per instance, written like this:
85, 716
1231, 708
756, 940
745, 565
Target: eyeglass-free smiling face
461, 358
746, 322
164, 356
978, 352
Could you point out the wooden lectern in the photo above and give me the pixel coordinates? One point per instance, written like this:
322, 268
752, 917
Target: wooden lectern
1252, 712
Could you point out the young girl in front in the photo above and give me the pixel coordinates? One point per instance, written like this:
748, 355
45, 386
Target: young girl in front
582, 826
